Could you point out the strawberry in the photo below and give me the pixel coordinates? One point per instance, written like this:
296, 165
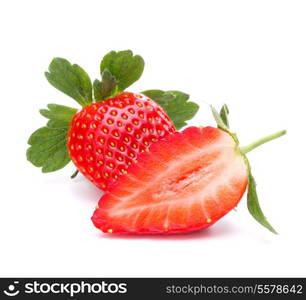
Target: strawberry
186, 182
113, 126
157, 180
105, 138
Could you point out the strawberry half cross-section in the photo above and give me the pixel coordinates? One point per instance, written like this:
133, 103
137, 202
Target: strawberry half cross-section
186, 182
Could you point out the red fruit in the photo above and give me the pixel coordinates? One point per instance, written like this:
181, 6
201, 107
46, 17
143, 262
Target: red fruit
105, 138
187, 181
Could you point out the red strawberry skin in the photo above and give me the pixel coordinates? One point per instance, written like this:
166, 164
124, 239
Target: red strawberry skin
105, 138
187, 182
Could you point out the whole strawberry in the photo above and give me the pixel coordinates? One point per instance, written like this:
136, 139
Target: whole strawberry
105, 137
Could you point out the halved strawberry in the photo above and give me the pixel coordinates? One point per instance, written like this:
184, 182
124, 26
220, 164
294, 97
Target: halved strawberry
187, 181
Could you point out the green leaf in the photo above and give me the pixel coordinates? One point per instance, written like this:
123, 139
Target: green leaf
224, 115
106, 88
176, 105
126, 67
71, 80
48, 149
253, 205
56, 124
59, 113
48, 145
218, 119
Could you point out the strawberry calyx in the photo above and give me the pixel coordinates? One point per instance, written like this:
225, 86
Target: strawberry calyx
48, 144
70, 79
119, 70
176, 104
253, 205
252, 197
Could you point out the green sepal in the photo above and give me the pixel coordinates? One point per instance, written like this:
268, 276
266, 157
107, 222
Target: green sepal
71, 80
221, 123
253, 204
56, 124
224, 112
219, 120
124, 66
176, 105
105, 88
59, 113
48, 145
48, 149
252, 198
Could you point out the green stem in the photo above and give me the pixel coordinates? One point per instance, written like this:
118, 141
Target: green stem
266, 139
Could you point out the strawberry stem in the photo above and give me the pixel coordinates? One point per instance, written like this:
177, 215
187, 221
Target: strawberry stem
261, 141
74, 174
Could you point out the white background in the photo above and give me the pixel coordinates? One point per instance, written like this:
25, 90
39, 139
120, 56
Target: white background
249, 54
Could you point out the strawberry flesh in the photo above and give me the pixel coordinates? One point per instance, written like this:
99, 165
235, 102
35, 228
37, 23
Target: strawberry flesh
186, 182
